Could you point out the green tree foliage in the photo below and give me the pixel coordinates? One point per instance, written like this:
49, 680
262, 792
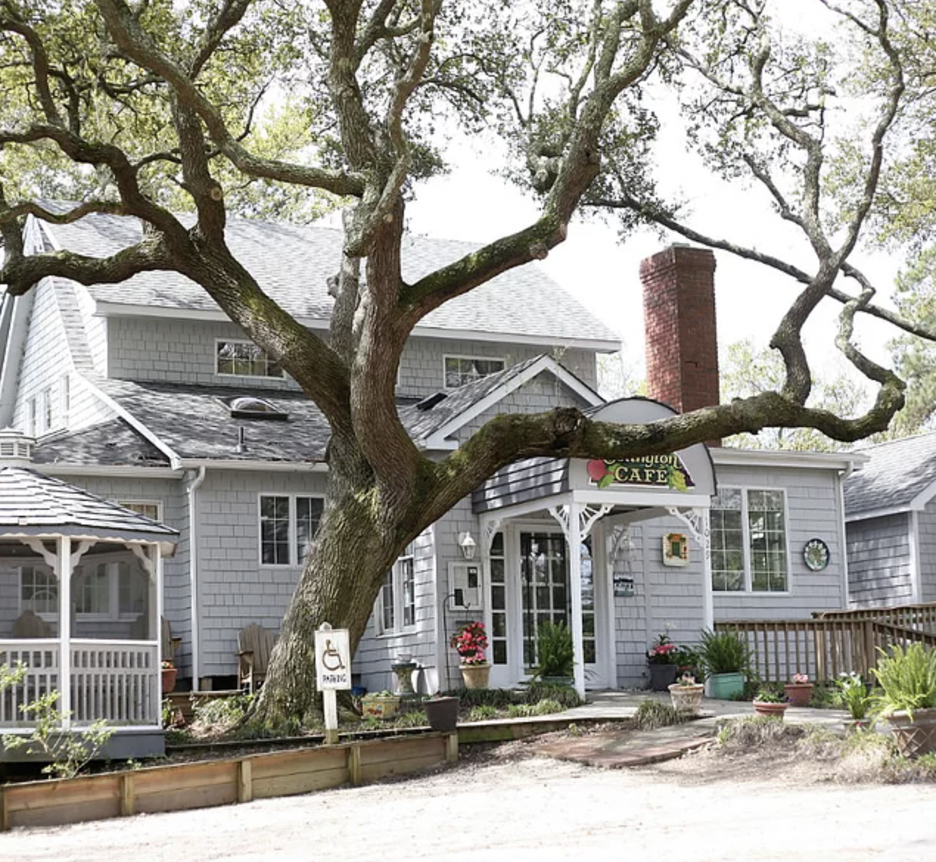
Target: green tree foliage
747, 371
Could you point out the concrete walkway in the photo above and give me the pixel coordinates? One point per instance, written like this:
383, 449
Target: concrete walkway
630, 747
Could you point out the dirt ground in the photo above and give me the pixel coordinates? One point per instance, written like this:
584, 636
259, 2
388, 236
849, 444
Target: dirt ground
510, 803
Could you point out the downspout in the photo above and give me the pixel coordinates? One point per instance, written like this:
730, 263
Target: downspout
193, 574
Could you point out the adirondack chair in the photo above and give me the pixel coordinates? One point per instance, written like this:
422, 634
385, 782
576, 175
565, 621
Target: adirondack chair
169, 644
254, 645
30, 625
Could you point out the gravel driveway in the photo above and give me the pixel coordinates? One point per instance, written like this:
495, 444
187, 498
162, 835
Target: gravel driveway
527, 809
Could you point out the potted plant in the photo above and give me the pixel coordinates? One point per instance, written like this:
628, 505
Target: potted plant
686, 694
169, 674
442, 712
908, 696
470, 642
661, 659
855, 698
555, 654
799, 690
383, 705
725, 658
769, 701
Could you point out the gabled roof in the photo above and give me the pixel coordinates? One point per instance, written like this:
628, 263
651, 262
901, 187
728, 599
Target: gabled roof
900, 476
184, 423
293, 262
32, 504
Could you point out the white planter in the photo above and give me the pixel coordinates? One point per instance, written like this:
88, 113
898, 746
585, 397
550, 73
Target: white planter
687, 698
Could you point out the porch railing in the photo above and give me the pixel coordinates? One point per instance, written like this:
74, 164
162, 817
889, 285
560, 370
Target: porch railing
921, 617
822, 648
118, 681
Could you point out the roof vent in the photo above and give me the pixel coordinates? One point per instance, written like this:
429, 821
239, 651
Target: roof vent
15, 448
431, 401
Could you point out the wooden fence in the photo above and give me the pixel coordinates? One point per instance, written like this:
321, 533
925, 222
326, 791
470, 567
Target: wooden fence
822, 648
921, 617
219, 782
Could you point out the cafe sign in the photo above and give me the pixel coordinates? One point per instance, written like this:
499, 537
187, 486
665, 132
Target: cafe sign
657, 471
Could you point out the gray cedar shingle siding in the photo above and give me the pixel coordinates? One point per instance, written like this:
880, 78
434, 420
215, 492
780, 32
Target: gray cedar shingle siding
879, 563
926, 539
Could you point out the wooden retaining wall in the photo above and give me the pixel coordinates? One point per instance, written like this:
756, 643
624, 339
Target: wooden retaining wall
219, 782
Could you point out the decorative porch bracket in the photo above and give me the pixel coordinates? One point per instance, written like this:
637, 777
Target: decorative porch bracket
698, 524
587, 517
489, 530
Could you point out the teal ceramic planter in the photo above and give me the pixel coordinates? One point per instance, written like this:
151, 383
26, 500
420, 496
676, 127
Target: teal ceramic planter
726, 686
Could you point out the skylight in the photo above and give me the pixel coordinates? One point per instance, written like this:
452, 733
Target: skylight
251, 407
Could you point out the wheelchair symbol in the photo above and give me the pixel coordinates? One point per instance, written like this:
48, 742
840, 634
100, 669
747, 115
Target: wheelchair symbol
331, 658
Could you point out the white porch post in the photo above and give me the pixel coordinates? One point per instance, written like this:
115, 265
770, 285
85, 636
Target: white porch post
707, 595
65, 573
574, 540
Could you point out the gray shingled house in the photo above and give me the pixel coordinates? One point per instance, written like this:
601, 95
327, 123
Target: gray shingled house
144, 394
890, 512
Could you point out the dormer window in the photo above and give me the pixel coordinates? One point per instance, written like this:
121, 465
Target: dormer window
244, 359
251, 407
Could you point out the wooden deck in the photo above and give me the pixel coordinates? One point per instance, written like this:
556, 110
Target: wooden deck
833, 642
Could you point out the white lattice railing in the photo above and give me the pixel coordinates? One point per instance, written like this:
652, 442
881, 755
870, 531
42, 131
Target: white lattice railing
41, 658
118, 681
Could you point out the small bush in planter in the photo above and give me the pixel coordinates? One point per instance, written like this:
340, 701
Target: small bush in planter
854, 695
555, 652
723, 652
768, 694
907, 678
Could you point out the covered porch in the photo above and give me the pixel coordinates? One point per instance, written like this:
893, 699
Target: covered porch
556, 547
81, 580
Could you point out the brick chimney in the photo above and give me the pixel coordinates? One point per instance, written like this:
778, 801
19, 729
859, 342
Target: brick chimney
679, 319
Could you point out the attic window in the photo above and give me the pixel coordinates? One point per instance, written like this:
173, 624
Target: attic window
244, 359
251, 407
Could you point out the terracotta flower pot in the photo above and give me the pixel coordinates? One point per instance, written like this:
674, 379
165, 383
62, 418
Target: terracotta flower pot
799, 693
475, 675
775, 710
169, 675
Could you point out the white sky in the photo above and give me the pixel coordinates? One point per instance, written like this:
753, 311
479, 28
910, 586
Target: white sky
592, 264
602, 273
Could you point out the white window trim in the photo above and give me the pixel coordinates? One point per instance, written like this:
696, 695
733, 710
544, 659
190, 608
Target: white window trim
220, 374
293, 532
469, 358
397, 571
65, 399
746, 540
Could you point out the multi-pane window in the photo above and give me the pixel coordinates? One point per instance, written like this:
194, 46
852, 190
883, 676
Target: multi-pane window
274, 531
38, 590
66, 400
245, 359
32, 417
151, 510
749, 549
396, 604
498, 638
287, 526
308, 515
460, 370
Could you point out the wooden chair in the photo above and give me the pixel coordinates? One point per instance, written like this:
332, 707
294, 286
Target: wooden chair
30, 625
254, 645
170, 645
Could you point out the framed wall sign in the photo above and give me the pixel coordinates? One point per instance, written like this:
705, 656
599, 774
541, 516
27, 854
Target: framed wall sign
816, 555
675, 549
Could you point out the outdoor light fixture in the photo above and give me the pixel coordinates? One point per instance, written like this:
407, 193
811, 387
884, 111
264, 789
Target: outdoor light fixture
469, 546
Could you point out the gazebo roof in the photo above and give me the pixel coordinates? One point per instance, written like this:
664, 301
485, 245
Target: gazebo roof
32, 504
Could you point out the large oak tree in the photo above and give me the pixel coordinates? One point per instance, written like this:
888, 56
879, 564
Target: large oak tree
144, 108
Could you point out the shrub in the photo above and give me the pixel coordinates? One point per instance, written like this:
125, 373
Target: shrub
554, 650
723, 652
223, 712
565, 695
547, 707
482, 713
907, 678
652, 714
